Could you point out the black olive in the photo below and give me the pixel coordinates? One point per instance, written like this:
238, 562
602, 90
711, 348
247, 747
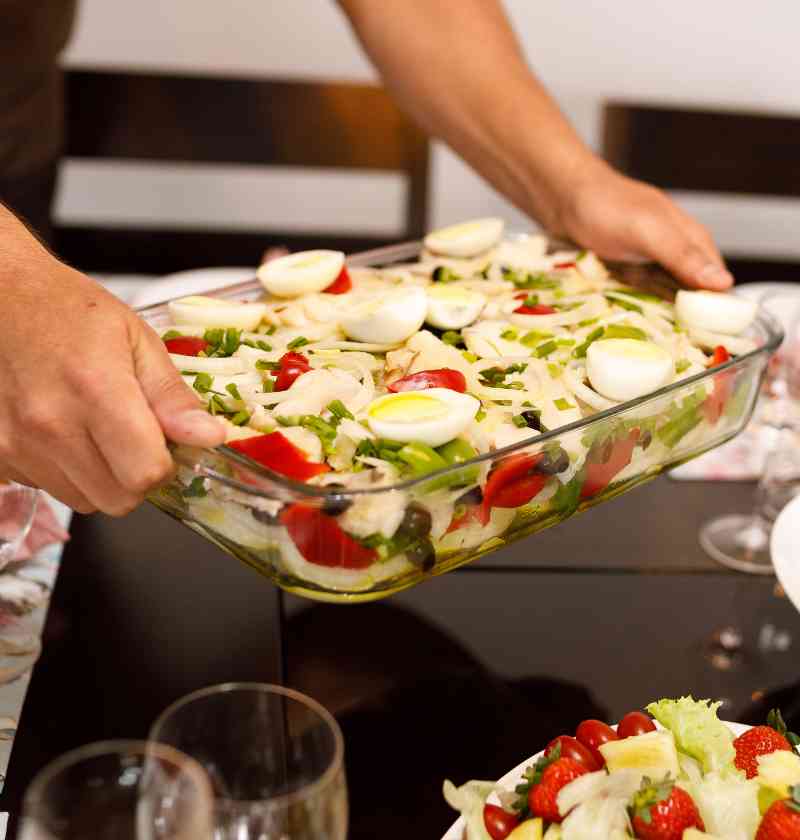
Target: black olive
334, 505
553, 462
647, 439
534, 420
422, 554
265, 517
471, 497
416, 522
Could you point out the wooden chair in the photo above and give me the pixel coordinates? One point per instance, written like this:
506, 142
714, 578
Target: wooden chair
709, 151
222, 120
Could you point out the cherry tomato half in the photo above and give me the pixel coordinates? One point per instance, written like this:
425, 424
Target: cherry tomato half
499, 823
574, 749
593, 733
537, 309
186, 345
341, 285
439, 378
635, 723
292, 365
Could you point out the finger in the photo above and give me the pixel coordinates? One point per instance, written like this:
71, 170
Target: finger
692, 263
174, 404
8, 473
143, 462
89, 471
51, 478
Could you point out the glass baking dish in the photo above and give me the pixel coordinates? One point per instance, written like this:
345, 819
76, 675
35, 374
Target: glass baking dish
261, 517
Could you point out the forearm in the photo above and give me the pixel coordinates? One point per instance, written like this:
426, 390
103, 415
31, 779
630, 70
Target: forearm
457, 68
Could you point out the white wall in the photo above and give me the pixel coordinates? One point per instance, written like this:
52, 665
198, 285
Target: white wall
712, 53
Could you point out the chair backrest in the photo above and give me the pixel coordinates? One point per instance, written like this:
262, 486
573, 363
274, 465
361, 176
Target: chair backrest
202, 120
709, 151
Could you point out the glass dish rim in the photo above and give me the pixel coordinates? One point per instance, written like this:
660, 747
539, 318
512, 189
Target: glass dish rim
771, 328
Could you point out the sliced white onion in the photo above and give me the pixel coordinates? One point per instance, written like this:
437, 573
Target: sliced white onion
595, 305
214, 364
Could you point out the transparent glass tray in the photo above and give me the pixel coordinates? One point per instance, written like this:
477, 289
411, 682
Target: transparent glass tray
252, 513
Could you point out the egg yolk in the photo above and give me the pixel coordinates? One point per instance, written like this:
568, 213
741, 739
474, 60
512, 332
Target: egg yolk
408, 408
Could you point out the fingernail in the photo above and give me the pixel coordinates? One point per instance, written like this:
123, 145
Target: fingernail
715, 277
201, 423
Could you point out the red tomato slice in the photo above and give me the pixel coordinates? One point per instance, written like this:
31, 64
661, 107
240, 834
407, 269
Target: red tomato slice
439, 378
511, 483
592, 734
186, 345
723, 387
600, 475
292, 365
576, 750
341, 284
538, 309
635, 723
278, 453
499, 823
564, 265
321, 541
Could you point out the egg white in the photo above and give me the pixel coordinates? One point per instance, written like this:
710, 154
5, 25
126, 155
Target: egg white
302, 273
624, 368
433, 416
453, 307
467, 239
203, 311
715, 311
387, 318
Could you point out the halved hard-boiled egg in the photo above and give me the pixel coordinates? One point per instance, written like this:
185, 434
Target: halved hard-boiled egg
388, 317
716, 311
625, 368
467, 239
453, 307
203, 311
302, 273
434, 416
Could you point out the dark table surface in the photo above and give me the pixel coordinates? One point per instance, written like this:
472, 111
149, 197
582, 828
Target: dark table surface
461, 677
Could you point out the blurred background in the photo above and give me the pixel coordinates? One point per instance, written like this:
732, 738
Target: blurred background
711, 55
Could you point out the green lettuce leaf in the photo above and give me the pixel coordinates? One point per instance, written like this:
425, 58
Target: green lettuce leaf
698, 731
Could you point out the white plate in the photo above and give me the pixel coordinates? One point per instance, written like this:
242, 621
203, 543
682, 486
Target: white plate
194, 282
785, 549
515, 776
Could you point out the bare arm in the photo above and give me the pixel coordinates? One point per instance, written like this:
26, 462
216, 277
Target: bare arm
457, 68
88, 394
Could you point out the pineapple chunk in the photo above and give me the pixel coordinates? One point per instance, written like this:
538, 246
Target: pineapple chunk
696, 834
554, 832
653, 754
528, 830
777, 772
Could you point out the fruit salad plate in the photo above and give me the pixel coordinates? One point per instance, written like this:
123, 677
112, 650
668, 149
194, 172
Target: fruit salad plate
684, 776
393, 415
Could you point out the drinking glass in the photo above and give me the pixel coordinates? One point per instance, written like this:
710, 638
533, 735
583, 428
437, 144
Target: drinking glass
274, 756
17, 506
741, 541
119, 790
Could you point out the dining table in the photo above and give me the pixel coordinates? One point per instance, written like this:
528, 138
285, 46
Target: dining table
461, 677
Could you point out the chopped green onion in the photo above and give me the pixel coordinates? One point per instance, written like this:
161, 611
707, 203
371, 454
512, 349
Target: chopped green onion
588, 322
681, 365
480, 415
263, 364
269, 385
170, 334
624, 304
623, 331
271, 330
296, 343
421, 458
217, 406
580, 351
509, 335
544, 350
452, 338
443, 274
241, 418
203, 383
196, 488
534, 337
566, 342
232, 341
562, 405
338, 409
554, 370
533, 281
233, 391
519, 421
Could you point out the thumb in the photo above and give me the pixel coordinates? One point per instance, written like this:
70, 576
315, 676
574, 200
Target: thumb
174, 404
691, 263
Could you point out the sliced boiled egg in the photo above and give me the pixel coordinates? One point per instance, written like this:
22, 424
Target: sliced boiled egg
467, 239
625, 368
202, 311
715, 311
302, 273
388, 317
453, 307
434, 416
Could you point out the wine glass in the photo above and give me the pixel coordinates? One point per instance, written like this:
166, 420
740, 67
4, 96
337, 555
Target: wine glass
119, 790
274, 756
741, 541
17, 507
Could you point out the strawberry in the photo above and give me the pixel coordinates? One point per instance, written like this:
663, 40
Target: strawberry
542, 797
782, 820
762, 740
663, 811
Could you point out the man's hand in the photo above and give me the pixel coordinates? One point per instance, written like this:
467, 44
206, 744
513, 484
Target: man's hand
623, 219
88, 395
